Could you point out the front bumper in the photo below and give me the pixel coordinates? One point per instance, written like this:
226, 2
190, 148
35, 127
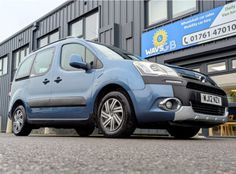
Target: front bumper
186, 113
188, 92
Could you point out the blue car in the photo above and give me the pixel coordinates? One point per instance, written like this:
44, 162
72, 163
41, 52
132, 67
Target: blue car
74, 83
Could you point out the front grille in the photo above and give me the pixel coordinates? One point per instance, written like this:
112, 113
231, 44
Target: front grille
205, 88
208, 109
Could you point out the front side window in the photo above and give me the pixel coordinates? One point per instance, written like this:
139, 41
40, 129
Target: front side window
216, 67
69, 50
42, 62
3, 65
24, 70
157, 11
77, 49
91, 26
182, 7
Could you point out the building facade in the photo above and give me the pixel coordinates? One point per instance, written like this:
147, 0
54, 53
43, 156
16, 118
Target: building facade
165, 31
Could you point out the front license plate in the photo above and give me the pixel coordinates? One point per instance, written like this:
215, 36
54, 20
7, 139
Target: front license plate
211, 99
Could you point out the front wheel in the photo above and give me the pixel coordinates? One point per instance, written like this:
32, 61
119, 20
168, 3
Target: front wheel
115, 117
19, 123
183, 132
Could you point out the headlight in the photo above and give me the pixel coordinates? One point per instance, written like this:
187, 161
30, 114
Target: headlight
149, 68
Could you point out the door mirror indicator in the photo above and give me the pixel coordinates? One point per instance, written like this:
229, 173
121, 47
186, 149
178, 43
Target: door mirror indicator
76, 61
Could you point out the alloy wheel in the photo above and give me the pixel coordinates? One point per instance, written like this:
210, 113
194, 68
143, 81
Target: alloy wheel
111, 115
18, 121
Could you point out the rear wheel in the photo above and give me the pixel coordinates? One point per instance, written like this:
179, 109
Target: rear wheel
115, 117
19, 123
183, 132
85, 130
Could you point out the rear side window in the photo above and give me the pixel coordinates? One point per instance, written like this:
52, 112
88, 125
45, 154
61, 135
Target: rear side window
24, 70
42, 62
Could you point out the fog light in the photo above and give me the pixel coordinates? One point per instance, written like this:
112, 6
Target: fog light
169, 104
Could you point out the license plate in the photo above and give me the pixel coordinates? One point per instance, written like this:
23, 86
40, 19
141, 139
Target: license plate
211, 99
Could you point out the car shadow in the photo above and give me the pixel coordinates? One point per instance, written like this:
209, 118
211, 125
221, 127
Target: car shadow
133, 137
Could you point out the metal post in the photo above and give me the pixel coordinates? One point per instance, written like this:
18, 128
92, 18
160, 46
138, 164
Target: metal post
9, 126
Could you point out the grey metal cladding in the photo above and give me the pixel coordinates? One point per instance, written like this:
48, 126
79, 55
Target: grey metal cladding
55, 102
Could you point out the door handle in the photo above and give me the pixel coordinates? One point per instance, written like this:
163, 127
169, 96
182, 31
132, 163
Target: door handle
46, 81
58, 80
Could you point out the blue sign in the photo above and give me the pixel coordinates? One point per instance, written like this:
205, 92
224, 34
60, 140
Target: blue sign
205, 27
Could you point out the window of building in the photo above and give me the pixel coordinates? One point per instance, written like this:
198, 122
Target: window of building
182, 7
91, 26
234, 64
161, 10
3, 65
48, 39
86, 27
77, 49
77, 29
216, 67
228, 84
19, 56
157, 11
196, 69
54, 37
24, 70
42, 62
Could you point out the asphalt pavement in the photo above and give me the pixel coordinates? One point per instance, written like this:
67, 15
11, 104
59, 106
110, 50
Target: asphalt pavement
73, 155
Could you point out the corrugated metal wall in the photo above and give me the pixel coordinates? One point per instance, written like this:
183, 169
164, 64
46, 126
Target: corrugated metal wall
121, 24
7, 49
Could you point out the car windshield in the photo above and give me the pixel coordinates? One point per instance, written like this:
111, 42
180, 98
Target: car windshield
114, 53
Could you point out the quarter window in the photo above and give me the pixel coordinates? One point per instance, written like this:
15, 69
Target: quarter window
157, 11
42, 62
3, 65
216, 67
24, 70
182, 7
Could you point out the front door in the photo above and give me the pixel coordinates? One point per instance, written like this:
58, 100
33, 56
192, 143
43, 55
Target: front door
72, 87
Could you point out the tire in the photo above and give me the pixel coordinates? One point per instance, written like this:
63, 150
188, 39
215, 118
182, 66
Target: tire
85, 130
115, 116
183, 132
19, 122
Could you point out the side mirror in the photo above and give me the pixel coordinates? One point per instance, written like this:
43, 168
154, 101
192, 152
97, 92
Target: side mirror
76, 61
